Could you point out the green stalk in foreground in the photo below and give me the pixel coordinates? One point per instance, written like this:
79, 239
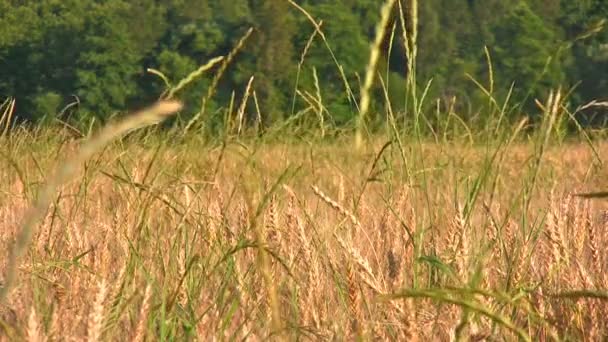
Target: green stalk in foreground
371, 70
149, 116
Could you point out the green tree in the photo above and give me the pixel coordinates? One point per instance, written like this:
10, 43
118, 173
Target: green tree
38, 48
109, 60
273, 54
589, 48
524, 52
449, 27
196, 31
348, 35
98, 50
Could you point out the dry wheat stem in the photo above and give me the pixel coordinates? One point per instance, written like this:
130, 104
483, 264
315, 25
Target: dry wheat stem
143, 316
97, 315
335, 205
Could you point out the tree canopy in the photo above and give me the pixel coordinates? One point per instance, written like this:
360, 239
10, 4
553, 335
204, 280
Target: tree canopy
97, 52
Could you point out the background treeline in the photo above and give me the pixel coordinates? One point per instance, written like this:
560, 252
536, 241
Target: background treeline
96, 52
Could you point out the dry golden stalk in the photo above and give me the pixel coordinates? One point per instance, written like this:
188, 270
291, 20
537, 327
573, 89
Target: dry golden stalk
354, 301
310, 263
243, 216
593, 246
562, 225
458, 243
270, 286
96, 316
293, 221
552, 227
119, 280
356, 256
294, 224
7, 116
140, 329
243, 106
335, 205
273, 234
410, 324
464, 250
220, 197
341, 191
520, 258
272, 238
368, 276
580, 213
492, 230
594, 333
510, 228
594, 310
604, 218
55, 331
34, 331
393, 267
187, 195
215, 218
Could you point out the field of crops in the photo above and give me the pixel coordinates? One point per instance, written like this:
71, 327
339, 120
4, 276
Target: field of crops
158, 238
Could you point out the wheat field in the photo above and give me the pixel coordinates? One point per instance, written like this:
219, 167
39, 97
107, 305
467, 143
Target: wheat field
154, 240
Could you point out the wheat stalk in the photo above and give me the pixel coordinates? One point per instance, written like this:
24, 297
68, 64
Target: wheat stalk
241, 111
96, 316
143, 316
335, 205
354, 301
34, 331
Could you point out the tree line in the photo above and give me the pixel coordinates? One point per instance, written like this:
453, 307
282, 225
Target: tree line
97, 54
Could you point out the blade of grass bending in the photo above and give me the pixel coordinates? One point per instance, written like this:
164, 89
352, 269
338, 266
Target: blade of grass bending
444, 297
7, 116
193, 76
593, 195
149, 116
581, 294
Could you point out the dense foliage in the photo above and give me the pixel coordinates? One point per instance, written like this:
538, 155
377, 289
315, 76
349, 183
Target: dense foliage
97, 52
